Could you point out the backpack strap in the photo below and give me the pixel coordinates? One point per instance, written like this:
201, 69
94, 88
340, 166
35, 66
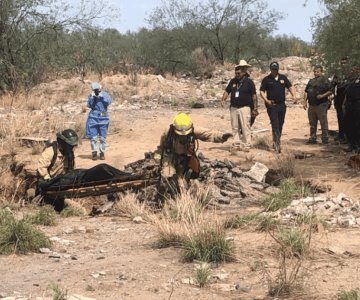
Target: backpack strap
54, 145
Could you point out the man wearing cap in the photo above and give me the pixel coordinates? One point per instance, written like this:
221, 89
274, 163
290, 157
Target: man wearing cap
272, 91
243, 105
97, 123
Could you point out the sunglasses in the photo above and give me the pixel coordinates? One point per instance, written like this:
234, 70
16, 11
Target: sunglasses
237, 73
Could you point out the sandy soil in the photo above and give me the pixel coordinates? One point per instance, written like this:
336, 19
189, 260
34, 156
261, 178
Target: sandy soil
113, 258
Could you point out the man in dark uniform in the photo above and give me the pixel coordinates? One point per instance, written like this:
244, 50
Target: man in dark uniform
339, 83
317, 93
243, 105
352, 110
272, 91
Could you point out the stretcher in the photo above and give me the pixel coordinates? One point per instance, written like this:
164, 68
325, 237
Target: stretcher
101, 187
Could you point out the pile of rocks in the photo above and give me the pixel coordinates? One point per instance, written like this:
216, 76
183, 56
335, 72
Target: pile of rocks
338, 210
229, 185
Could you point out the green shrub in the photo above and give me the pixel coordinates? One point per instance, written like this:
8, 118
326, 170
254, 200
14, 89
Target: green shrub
46, 216
348, 295
289, 190
294, 240
19, 236
209, 245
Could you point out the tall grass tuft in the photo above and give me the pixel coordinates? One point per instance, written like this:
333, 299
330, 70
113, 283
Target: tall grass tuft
202, 274
294, 247
209, 245
285, 164
58, 292
184, 222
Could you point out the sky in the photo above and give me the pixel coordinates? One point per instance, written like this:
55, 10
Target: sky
297, 20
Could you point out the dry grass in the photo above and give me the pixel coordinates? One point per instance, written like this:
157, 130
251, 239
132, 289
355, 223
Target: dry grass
285, 164
181, 217
263, 142
12, 189
131, 207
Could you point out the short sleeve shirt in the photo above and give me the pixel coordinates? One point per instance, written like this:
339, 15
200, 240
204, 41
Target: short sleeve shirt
275, 88
316, 86
241, 92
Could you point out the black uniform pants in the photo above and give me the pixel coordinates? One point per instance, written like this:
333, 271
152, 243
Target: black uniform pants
338, 103
276, 114
352, 124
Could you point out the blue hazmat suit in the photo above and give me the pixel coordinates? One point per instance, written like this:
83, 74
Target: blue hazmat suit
97, 123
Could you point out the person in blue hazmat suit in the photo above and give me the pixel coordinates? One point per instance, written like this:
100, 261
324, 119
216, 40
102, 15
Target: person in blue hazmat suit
97, 123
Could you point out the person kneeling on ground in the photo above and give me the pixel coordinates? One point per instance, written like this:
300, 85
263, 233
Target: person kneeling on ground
178, 148
56, 159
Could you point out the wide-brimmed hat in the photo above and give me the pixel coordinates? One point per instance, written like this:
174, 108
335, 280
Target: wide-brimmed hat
242, 63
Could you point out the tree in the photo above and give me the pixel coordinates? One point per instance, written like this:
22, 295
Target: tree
337, 33
242, 18
27, 24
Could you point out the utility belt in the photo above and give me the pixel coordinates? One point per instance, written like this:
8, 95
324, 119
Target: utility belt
99, 113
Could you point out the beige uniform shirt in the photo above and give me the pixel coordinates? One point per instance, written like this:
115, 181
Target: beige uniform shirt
202, 134
45, 161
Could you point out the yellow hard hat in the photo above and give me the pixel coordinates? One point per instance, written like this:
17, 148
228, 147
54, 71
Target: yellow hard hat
183, 124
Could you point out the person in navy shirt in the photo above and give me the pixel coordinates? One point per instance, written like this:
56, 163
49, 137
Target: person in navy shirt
272, 91
243, 105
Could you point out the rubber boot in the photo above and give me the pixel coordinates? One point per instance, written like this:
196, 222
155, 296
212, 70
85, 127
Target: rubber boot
94, 155
102, 156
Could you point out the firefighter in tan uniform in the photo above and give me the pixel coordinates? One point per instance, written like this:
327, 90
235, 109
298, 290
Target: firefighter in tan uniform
179, 144
56, 159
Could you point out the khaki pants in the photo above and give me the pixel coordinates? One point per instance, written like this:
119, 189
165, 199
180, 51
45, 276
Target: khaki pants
318, 113
240, 123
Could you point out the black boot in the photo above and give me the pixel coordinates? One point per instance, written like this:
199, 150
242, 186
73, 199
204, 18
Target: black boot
102, 156
94, 155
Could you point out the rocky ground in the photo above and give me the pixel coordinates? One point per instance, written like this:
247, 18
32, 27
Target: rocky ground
113, 257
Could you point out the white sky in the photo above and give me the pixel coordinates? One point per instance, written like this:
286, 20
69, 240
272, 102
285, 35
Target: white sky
297, 20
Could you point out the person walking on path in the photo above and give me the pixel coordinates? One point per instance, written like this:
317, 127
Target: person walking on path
272, 91
317, 93
97, 123
243, 105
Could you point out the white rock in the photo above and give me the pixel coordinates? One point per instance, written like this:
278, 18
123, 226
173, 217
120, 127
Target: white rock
79, 297
346, 221
138, 220
221, 276
257, 172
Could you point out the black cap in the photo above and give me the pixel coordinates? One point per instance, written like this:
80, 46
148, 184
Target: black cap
274, 65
